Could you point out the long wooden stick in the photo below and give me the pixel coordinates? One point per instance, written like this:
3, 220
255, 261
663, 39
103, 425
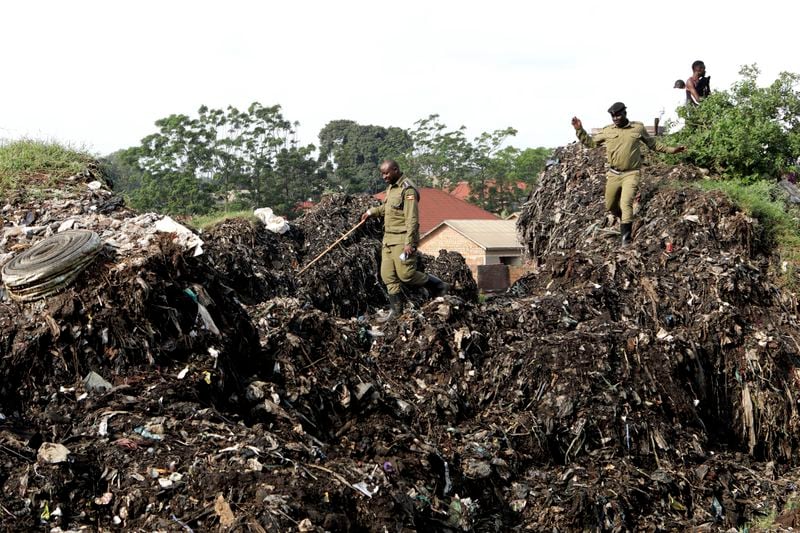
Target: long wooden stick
329, 248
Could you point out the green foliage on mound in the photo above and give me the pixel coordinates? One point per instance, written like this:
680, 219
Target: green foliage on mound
31, 164
749, 136
748, 133
210, 219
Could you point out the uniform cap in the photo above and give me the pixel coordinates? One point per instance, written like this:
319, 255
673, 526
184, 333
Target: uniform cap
617, 107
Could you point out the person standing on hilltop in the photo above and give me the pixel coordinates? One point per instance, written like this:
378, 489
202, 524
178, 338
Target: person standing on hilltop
400, 212
623, 141
698, 86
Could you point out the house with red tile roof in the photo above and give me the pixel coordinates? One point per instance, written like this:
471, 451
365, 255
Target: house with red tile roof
436, 206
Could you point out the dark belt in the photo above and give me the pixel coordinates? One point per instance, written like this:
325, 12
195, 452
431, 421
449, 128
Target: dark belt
396, 232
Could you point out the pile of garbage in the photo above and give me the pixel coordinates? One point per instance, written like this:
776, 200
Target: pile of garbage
193, 380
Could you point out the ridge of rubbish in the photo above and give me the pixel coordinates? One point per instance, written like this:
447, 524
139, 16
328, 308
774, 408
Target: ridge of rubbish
648, 388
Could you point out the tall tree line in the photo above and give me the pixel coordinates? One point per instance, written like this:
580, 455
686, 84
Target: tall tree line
235, 159
433, 155
220, 159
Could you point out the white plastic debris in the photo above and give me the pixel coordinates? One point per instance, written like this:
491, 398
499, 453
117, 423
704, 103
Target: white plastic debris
105, 499
94, 382
271, 221
254, 465
66, 225
50, 452
170, 481
183, 235
365, 489
208, 322
102, 428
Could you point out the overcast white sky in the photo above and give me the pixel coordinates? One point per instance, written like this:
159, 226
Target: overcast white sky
99, 74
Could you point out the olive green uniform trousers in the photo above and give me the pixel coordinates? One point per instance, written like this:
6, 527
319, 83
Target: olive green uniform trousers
621, 189
395, 272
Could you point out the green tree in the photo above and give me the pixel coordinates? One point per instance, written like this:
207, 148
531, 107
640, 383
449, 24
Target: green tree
229, 158
509, 174
176, 173
270, 147
123, 169
493, 168
440, 157
748, 132
350, 153
530, 162
297, 179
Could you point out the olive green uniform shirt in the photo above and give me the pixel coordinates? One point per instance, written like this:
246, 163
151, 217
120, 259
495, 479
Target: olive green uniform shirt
400, 212
624, 145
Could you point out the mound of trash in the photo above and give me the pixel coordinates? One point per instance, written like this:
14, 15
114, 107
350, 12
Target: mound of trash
234, 378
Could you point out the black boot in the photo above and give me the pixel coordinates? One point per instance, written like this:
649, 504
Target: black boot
626, 229
436, 287
394, 309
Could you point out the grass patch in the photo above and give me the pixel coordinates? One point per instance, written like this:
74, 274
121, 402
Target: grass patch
766, 522
205, 221
28, 164
764, 200
763, 523
793, 503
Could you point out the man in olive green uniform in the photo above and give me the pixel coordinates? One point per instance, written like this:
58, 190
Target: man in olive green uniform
400, 212
623, 141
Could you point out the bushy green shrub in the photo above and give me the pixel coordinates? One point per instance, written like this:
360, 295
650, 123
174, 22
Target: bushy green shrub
748, 132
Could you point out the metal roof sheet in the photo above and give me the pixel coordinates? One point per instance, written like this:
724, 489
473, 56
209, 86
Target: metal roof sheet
488, 234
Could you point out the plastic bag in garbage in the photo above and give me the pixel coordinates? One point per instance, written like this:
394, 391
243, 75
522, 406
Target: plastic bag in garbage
273, 222
183, 235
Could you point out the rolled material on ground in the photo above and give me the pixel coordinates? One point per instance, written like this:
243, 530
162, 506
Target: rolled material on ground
50, 265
